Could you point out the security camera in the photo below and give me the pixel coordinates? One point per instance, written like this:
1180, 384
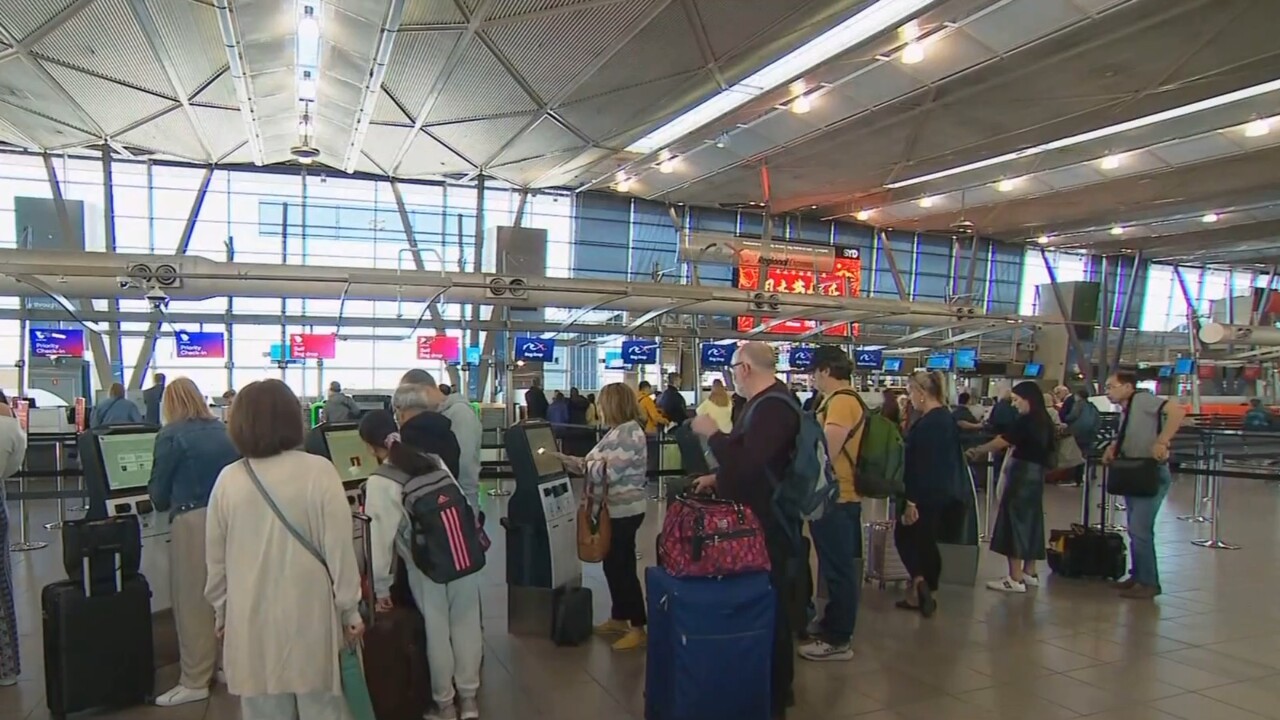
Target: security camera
124, 282
158, 299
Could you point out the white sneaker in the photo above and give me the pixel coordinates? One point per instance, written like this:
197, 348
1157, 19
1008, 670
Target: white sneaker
1031, 581
1007, 584
443, 712
181, 695
8, 681
820, 651
468, 709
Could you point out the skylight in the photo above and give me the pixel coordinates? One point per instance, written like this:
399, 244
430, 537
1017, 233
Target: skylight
1098, 134
876, 19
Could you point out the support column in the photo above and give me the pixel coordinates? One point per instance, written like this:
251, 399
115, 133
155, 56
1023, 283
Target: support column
436, 319
109, 227
893, 264
491, 337
1129, 293
101, 358
148, 349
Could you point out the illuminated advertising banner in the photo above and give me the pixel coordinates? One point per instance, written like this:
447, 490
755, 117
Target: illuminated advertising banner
439, 347
844, 280
303, 346
55, 342
200, 344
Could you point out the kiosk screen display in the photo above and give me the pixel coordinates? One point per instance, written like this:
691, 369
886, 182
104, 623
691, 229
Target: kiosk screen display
126, 458
349, 454
543, 446
893, 365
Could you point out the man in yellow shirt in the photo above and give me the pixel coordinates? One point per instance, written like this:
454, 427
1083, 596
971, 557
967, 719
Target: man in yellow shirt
837, 536
653, 418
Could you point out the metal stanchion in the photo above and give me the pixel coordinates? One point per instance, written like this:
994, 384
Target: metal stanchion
1214, 542
499, 491
985, 535
62, 502
1202, 466
25, 542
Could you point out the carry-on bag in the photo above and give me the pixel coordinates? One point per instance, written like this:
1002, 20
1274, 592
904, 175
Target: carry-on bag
571, 615
1134, 477
710, 647
98, 650
704, 536
1086, 552
102, 549
883, 564
595, 528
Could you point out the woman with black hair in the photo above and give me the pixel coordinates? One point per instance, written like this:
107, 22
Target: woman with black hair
1019, 529
451, 611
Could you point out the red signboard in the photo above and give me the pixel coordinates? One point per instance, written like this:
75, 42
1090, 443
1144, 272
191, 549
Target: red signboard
844, 280
1206, 372
304, 346
80, 415
439, 347
1251, 372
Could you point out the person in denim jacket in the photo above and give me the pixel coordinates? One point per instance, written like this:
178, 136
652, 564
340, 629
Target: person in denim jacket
191, 449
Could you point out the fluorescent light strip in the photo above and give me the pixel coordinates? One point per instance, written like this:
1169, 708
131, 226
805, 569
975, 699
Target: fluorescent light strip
1100, 133
873, 21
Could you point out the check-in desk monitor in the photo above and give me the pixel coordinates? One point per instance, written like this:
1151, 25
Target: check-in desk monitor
350, 456
117, 468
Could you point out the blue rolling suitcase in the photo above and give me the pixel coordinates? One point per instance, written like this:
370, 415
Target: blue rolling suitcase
710, 647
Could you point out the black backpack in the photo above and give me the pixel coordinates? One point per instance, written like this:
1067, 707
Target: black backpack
444, 537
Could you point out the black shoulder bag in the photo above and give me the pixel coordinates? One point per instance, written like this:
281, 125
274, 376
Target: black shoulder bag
1134, 477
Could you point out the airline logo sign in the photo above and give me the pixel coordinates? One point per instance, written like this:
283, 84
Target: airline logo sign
200, 344
716, 354
639, 352
439, 347
54, 343
303, 346
535, 349
868, 359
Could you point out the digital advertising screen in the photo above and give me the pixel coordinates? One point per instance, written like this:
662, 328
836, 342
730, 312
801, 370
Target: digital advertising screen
1165, 371
967, 359
56, 342
200, 344
1184, 366
349, 454
543, 445
439, 347
843, 280
1032, 370
613, 361
640, 352
473, 356
868, 359
717, 355
126, 458
801, 359
938, 362
307, 346
893, 365
532, 349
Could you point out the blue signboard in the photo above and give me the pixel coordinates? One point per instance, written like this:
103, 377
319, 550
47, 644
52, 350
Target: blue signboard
200, 344
532, 349
56, 342
801, 359
717, 355
1165, 371
868, 359
1184, 366
282, 354
640, 352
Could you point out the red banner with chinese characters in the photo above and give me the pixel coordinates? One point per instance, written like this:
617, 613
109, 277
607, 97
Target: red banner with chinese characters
844, 280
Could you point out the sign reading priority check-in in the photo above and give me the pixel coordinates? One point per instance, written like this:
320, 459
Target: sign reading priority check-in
200, 344
56, 342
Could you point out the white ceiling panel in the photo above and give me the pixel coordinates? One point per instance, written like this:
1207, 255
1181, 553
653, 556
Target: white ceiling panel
22, 17
189, 31
104, 39
427, 158
170, 134
545, 138
475, 139
112, 105
479, 86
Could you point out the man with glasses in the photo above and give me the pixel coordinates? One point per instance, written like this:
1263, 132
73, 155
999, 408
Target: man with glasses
752, 458
1149, 426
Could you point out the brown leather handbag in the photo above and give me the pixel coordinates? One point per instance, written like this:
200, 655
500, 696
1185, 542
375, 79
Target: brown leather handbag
595, 529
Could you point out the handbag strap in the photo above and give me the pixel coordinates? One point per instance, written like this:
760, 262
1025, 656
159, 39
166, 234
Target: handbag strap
1124, 424
297, 534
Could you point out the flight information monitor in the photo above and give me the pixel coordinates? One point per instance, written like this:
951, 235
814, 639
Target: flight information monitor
126, 460
349, 454
543, 446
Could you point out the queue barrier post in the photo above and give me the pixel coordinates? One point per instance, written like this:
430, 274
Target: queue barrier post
25, 543
58, 467
1215, 541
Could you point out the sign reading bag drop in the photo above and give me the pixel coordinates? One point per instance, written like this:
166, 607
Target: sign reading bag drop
303, 346
56, 342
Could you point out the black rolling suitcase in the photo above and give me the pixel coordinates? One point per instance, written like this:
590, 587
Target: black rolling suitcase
98, 650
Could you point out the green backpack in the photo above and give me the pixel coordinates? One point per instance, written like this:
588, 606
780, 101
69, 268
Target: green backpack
878, 468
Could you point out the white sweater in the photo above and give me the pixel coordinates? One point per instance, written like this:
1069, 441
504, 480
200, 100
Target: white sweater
13, 446
388, 530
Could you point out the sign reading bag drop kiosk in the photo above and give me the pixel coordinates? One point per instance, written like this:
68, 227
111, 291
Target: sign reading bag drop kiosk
639, 352
531, 349
200, 344
304, 346
57, 342
440, 347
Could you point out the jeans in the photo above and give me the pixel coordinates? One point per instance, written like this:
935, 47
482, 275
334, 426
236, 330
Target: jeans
837, 538
620, 571
1142, 532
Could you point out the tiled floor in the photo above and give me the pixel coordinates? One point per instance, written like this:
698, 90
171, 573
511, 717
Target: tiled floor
1209, 649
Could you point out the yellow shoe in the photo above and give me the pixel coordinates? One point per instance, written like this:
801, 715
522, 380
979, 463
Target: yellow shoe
613, 627
634, 639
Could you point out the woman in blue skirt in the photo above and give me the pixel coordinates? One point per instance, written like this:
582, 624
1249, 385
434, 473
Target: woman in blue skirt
1019, 529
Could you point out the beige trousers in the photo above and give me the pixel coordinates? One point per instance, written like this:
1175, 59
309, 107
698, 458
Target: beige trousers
192, 614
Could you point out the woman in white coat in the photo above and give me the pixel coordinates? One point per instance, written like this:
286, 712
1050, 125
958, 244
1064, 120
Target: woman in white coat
282, 614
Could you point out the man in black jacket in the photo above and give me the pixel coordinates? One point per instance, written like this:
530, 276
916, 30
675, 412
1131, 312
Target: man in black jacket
151, 398
672, 403
752, 457
535, 401
433, 431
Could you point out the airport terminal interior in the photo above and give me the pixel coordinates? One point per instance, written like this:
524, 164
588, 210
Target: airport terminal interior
567, 194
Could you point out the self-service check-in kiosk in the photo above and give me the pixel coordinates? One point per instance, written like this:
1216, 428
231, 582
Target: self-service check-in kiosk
541, 527
117, 468
350, 456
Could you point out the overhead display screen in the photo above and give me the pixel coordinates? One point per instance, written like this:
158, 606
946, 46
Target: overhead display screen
200, 344
1165, 371
893, 364
543, 446
126, 458
1033, 370
717, 355
349, 454
1184, 366
967, 359
56, 342
639, 352
938, 362
802, 359
868, 359
532, 349
844, 280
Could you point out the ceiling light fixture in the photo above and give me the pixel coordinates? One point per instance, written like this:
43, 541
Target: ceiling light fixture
722, 140
1043, 240
910, 31
874, 20
1210, 218
624, 185
925, 202
862, 215
667, 166
1117, 230
1005, 185
801, 105
1109, 162
913, 53
1257, 128
307, 87
1208, 104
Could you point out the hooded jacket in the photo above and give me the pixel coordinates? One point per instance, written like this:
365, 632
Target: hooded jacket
432, 432
467, 431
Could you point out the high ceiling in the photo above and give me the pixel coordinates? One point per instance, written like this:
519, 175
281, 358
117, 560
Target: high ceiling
544, 93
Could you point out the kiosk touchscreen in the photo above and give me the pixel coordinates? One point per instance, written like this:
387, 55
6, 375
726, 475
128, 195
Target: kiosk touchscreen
350, 456
541, 526
117, 468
